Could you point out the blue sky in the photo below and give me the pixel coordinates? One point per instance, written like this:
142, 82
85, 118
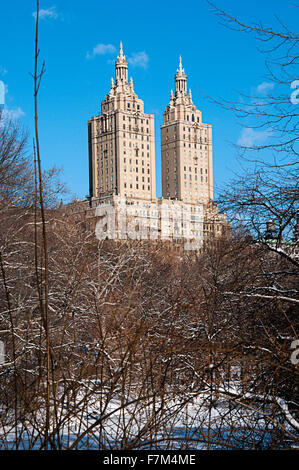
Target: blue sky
79, 42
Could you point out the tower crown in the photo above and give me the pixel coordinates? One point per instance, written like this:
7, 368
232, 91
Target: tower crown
180, 80
121, 52
180, 70
121, 67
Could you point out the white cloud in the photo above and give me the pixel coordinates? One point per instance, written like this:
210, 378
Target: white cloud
8, 114
138, 59
252, 138
3, 70
49, 13
264, 87
3, 92
12, 114
101, 49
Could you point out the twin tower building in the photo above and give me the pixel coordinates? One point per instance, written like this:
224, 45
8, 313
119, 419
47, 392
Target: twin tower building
122, 153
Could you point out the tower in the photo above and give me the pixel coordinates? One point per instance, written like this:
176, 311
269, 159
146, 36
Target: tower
122, 142
186, 147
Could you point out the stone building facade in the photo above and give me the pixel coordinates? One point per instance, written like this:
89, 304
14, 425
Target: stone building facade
122, 142
122, 188
186, 147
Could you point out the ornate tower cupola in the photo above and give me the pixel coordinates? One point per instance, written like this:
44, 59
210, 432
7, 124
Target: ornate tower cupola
120, 133
180, 81
186, 147
121, 68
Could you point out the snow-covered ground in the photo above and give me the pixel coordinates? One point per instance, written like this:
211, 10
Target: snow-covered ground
198, 421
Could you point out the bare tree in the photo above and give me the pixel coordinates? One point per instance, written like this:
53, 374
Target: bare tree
132, 345
267, 190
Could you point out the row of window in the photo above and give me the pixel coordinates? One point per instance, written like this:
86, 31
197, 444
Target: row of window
190, 184
184, 138
135, 120
143, 178
130, 144
105, 124
137, 161
134, 106
190, 154
202, 170
131, 136
105, 180
188, 130
130, 128
174, 144
195, 178
148, 196
189, 196
189, 117
136, 170
137, 186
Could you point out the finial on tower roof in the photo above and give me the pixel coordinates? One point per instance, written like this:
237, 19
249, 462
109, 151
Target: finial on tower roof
180, 64
121, 52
